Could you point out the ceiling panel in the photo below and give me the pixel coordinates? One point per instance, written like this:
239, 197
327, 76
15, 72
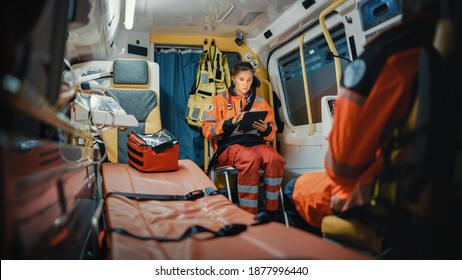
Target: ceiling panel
216, 17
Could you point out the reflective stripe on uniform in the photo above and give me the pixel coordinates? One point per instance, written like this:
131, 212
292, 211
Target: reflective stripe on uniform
258, 99
209, 118
212, 131
345, 170
247, 189
272, 195
248, 202
272, 181
352, 96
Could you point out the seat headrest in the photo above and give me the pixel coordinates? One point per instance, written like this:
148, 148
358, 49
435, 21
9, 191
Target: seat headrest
130, 73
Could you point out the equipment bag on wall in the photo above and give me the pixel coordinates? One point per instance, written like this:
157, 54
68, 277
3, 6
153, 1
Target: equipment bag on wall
212, 76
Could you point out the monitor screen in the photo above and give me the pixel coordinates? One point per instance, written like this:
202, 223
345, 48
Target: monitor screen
331, 103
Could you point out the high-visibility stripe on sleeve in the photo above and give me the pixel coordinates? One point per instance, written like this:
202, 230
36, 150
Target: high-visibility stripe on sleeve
207, 117
352, 96
212, 131
222, 93
345, 170
258, 99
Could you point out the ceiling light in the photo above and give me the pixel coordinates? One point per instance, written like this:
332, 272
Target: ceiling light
129, 13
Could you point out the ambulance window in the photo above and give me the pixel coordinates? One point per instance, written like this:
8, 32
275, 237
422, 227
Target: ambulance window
320, 74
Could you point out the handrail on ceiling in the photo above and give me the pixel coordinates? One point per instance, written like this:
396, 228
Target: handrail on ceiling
322, 21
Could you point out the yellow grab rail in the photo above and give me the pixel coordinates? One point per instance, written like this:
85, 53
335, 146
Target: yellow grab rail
325, 31
305, 86
271, 103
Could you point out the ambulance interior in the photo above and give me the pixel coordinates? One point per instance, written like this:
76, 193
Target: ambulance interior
66, 118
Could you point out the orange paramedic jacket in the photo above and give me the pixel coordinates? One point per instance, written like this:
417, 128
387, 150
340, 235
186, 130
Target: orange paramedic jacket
217, 123
375, 93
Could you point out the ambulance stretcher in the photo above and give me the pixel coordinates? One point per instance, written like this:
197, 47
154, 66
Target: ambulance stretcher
149, 228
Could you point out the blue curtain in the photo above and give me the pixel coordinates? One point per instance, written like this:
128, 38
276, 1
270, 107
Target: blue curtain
177, 76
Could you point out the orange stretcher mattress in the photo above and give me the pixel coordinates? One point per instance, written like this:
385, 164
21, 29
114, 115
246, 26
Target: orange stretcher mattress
173, 218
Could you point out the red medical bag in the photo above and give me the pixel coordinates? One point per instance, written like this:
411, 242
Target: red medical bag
155, 152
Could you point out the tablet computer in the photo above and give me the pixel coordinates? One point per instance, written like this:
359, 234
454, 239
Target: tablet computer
249, 118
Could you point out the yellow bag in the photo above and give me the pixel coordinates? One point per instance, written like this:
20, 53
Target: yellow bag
212, 76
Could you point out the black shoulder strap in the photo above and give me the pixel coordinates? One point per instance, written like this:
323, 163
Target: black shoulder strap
252, 97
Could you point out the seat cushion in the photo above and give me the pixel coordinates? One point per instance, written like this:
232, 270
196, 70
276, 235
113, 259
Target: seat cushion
351, 232
144, 105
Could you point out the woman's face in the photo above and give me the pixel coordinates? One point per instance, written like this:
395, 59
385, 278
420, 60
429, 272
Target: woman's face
243, 81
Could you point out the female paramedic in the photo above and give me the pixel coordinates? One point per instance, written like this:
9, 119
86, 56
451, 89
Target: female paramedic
247, 151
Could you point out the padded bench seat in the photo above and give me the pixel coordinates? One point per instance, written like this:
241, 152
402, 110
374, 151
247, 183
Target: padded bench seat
173, 218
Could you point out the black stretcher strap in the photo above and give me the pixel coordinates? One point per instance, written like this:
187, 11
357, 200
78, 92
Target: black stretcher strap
193, 195
227, 230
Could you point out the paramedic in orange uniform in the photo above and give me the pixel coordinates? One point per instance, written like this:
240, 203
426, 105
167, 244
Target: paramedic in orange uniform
246, 151
375, 92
